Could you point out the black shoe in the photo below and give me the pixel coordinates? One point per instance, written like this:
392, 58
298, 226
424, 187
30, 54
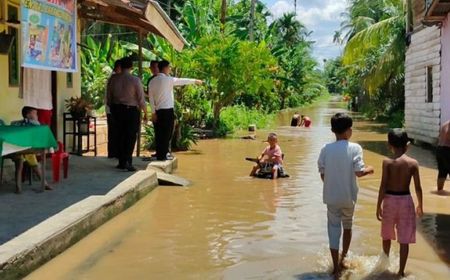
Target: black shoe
131, 168
120, 166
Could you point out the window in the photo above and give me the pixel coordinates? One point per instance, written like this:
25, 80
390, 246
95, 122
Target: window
13, 57
429, 84
69, 80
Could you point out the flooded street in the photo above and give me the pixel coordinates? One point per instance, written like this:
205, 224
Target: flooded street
227, 225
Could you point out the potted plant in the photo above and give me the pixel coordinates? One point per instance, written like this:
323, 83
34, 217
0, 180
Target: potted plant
78, 107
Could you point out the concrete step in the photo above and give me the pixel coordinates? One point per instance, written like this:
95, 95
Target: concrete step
165, 179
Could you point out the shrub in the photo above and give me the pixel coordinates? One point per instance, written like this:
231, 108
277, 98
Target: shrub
240, 117
149, 137
184, 137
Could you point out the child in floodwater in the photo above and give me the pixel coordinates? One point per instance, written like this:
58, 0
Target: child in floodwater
271, 155
395, 207
339, 164
305, 121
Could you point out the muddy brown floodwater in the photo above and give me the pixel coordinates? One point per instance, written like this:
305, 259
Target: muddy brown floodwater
229, 226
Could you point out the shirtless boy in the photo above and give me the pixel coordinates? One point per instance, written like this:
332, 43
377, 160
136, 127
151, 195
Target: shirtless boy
443, 155
395, 207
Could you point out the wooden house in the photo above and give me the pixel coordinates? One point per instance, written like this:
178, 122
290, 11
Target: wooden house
427, 70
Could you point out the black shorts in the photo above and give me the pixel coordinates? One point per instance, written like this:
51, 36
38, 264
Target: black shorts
443, 160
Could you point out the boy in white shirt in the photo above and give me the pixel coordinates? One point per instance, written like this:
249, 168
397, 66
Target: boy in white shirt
339, 164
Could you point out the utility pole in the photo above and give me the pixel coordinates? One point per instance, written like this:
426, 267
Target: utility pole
169, 4
252, 20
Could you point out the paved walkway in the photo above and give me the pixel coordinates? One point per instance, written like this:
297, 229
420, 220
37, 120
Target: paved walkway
87, 176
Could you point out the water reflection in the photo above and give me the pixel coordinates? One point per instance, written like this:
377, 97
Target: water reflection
230, 226
436, 230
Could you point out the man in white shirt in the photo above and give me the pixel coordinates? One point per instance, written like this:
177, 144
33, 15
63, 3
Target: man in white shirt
160, 92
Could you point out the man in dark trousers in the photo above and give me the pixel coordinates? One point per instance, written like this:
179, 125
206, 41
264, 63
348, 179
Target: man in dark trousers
155, 71
162, 102
443, 156
112, 137
126, 99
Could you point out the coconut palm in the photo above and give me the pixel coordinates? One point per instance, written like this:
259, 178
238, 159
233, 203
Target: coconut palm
378, 46
288, 29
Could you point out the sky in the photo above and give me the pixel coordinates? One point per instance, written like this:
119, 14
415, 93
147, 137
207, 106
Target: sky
323, 17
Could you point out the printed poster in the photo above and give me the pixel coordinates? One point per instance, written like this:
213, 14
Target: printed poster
49, 34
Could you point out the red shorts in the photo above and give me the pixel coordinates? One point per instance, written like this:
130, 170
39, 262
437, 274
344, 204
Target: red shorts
307, 123
398, 216
45, 116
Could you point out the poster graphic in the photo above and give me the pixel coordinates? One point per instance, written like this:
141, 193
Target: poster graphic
49, 34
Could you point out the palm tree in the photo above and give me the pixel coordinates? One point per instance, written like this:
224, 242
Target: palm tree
289, 29
376, 41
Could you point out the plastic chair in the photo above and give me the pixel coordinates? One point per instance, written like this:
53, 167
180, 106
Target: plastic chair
57, 157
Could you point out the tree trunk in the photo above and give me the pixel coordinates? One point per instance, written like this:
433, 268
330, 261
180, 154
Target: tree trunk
216, 114
409, 16
252, 21
223, 14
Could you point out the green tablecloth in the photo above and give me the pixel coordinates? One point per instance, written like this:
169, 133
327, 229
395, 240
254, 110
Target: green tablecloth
34, 137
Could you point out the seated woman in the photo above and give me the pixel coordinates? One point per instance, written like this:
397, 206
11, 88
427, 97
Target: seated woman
271, 157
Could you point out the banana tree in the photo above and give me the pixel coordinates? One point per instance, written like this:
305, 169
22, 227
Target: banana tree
97, 61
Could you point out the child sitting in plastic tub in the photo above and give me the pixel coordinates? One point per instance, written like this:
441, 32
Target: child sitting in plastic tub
271, 157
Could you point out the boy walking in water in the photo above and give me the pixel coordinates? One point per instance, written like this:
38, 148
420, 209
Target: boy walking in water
339, 164
395, 207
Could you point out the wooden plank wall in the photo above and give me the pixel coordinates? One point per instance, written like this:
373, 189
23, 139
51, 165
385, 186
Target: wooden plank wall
422, 119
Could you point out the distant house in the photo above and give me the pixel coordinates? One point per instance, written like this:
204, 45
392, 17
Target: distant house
427, 70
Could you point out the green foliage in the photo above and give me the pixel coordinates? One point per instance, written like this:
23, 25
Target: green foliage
245, 81
184, 137
149, 137
374, 55
335, 76
230, 68
97, 61
240, 117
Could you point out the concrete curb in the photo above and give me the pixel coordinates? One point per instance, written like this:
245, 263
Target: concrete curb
33, 248
167, 166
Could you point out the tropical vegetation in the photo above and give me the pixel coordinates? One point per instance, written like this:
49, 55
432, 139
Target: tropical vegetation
371, 69
252, 65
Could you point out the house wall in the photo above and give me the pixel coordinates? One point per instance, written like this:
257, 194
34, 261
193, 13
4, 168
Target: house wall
10, 102
445, 73
422, 119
